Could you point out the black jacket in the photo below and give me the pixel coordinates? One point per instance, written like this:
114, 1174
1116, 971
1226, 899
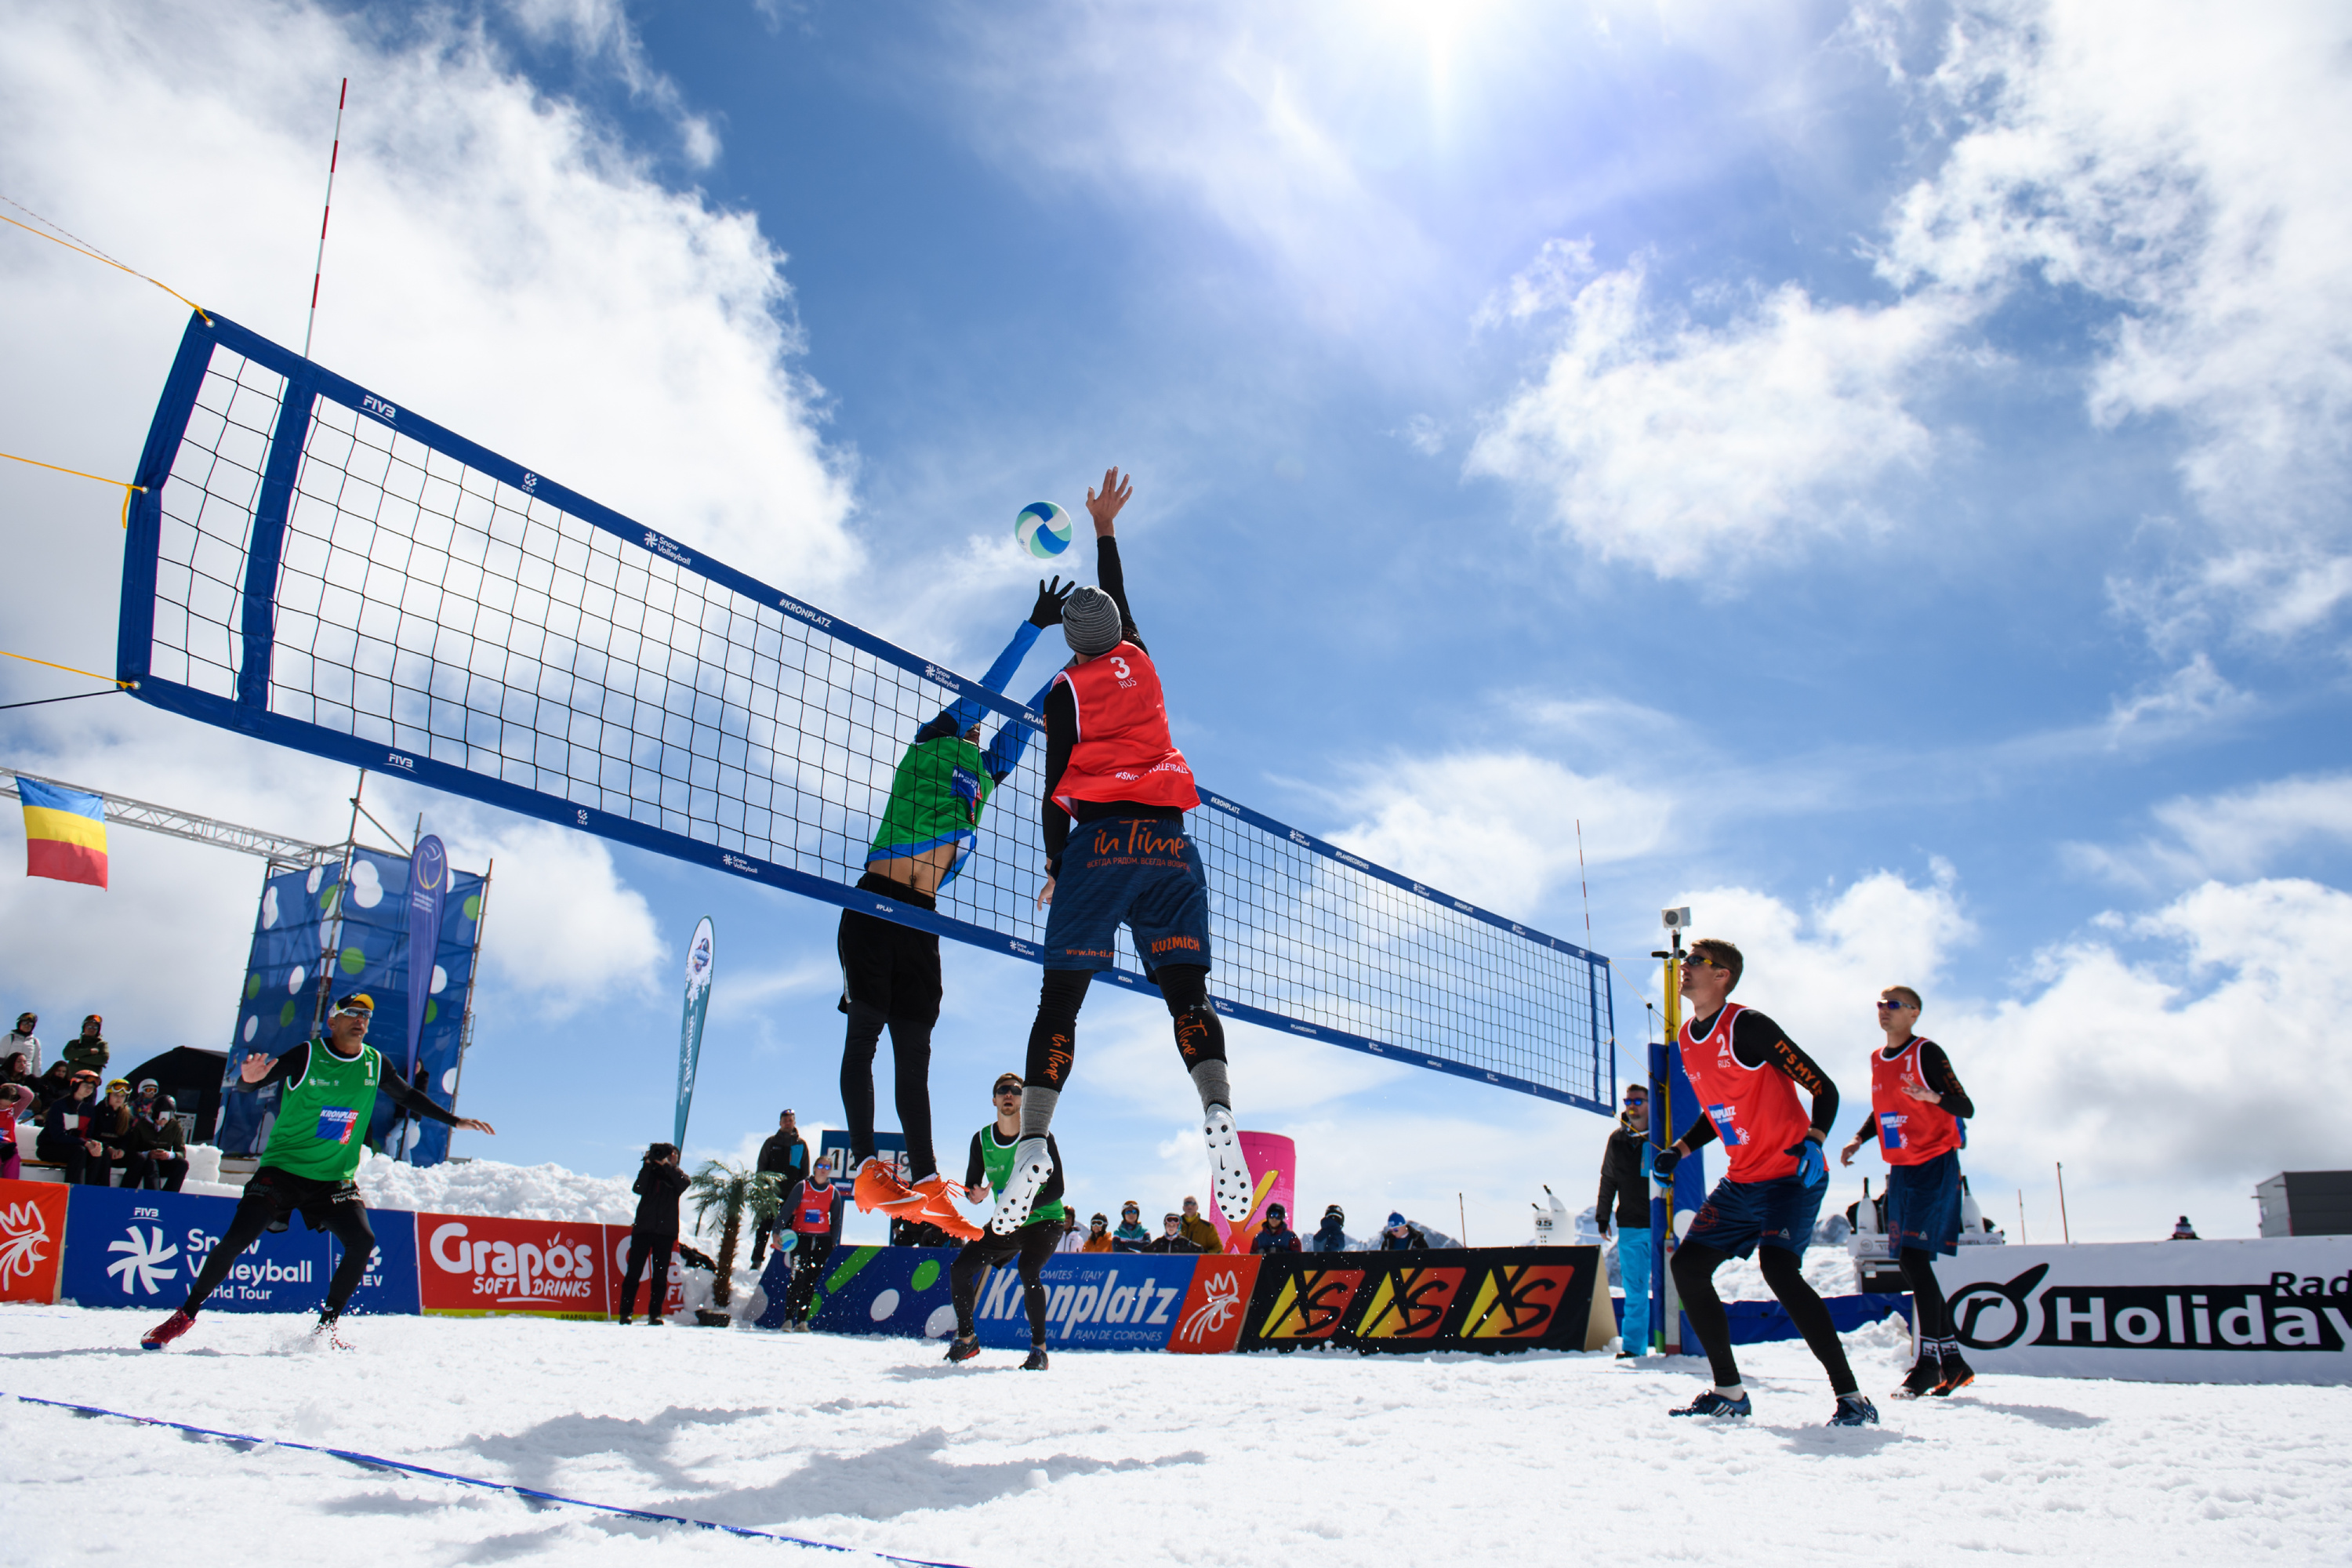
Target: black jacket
1411, 1238
658, 1188
787, 1154
1169, 1244
1332, 1237
1272, 1240
1622, 1182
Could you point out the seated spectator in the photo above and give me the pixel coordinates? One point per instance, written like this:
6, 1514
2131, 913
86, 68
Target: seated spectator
64, 1137
17, 1068
87, 1051
159, 1154
54, 1085
109, 1124
1172, 1237
14, 1100
1331, 1235
1198, 1231
1099, 1236
1129, 1235
1275, 1234
1073, 1239
22, 1039
1399, 1236
143, 1097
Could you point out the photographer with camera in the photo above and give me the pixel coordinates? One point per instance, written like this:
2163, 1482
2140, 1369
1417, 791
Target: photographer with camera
659, 1184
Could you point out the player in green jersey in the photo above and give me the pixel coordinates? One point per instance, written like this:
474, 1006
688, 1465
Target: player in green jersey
890, 973
313, 1151
1032, 1243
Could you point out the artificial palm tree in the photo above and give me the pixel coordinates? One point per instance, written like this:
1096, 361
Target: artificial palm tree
734, 1192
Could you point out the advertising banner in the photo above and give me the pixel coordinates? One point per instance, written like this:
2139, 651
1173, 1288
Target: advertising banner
2276, 1310
885, 1291
1095, 1301
700, 953
32, 1239
616, 1259
1489, 1300
1274, 1167
128, 1248
477, 1264
1210, 1323
428, 890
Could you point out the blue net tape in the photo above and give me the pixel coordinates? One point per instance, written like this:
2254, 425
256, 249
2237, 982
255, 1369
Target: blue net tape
317, 566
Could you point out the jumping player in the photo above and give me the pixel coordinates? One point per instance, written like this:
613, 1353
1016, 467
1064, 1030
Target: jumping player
1746, 1073
890, 973
313, 1151
1917, 1106
992, 1151
1117, 790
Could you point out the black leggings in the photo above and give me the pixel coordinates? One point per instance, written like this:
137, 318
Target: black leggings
647, 1248
1695, 1266
1033, 1243
910, 1061
262, 1205
1054, 1037
808, 1269
1918, 1267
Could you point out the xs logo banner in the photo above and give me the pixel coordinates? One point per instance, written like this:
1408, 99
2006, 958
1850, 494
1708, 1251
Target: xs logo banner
1490, 1299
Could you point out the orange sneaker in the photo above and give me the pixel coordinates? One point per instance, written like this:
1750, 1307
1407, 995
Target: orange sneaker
939, 1209
876, 1188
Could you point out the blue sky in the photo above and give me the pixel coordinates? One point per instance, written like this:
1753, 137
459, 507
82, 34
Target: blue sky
1877, 466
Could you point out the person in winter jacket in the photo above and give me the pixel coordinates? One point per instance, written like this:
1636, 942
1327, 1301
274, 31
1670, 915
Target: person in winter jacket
1275, 1234
22, 1039
1401, 1236
14, 1100
87, 1051
659, 1184
1331, 1235
1099, 1237
1198, 1231
158, 1148
54, 1085
1624, 1198
66, 1137
1129, 1235
785, 1155
1172, 1237
16, 1066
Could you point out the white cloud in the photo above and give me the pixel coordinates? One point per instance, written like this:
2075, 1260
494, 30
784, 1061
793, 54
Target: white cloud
2173, 162
1494, 828
2190, 696
1678, 445
568, 932
2238, 833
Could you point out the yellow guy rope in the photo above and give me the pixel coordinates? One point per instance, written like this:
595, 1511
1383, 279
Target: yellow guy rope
101, 478
70, 669
82, 248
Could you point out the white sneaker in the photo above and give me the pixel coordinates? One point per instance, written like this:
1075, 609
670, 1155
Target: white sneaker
1229, 1171
1030, 1166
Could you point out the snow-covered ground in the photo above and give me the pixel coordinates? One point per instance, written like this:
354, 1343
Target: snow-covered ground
1124, 1459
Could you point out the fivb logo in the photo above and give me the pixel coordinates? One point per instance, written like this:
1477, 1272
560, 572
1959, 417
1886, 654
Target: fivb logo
2289, 1314
518, 1274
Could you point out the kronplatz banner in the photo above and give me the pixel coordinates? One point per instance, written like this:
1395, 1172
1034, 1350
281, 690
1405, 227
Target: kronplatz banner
2276, 1310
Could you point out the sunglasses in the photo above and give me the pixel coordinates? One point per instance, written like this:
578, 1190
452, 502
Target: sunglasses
1893, 1007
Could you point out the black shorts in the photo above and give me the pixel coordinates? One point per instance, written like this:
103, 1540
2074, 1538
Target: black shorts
886, 965
287, 1193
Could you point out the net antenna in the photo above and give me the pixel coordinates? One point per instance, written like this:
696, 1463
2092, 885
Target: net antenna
334, 156
319, 567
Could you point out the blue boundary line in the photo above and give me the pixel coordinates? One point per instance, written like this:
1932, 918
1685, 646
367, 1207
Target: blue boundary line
375, 1462
249, 712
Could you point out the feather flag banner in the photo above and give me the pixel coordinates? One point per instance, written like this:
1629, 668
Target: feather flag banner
65, 833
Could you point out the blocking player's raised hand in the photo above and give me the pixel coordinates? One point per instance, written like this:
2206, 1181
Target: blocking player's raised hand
1103, 507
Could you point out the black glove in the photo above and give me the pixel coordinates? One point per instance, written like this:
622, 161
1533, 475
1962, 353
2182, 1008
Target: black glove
1601, 1222
1662, 1162
1050, 599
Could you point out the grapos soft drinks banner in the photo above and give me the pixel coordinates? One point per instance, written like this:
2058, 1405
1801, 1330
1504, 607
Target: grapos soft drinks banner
2275, 1310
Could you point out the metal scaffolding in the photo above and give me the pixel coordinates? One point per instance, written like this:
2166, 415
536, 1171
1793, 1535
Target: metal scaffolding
292, 854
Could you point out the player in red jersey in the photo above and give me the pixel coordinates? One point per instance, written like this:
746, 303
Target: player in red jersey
1746, 1073
1916, 1109
1117, 790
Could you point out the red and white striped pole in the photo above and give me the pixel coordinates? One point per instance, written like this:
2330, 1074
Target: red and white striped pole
333, 157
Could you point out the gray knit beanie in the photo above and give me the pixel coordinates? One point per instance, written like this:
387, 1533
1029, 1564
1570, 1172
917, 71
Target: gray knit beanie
1091, 623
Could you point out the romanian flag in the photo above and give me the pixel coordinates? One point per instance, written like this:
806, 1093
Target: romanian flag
65, 833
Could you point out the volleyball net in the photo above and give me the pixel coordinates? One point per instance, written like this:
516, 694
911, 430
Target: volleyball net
323, 568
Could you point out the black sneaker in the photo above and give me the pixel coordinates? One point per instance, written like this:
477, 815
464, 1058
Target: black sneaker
1924, 1375
1714, 1403
1957, 1375
1036, 1362
963, 1347
1853, 1410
